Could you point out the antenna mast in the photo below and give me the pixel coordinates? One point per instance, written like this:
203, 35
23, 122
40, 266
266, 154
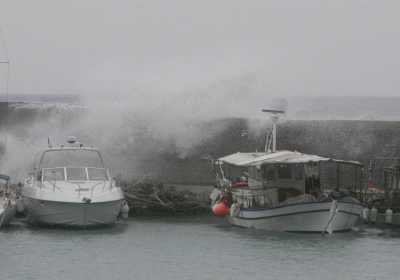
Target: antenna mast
4, 61
275, 114
7, 63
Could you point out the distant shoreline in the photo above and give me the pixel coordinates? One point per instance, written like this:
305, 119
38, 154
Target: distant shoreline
41, 98
363, 108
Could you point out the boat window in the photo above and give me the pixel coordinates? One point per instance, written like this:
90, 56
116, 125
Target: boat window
97, 174
71, 158
76, 173
298, 172
285, 194
284, 171
269, 172
53, 174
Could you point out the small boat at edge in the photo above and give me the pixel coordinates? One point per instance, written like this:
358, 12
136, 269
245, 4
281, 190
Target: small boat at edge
7, 202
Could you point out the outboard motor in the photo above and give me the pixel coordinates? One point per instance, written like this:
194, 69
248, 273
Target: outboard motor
125, 210
20, 206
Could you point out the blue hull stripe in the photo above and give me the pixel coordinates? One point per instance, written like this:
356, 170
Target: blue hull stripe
300, 203
286, 214
349, 213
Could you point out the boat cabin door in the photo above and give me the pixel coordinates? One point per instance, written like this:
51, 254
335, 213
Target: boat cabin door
312, 179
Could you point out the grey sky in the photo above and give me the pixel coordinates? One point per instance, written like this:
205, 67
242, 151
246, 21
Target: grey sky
289, 47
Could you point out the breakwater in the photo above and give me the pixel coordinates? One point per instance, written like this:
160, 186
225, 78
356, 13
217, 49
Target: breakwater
136, 149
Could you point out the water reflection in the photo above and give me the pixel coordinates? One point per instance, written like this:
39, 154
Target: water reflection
200, 247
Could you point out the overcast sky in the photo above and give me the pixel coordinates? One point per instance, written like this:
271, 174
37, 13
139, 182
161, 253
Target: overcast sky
304, 47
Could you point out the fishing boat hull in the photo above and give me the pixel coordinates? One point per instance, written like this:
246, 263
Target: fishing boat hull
301, 217
72, 214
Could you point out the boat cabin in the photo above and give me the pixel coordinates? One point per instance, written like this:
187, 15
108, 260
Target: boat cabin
392, 185
71, 164
284, 177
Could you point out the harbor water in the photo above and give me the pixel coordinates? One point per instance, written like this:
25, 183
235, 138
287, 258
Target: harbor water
194, 248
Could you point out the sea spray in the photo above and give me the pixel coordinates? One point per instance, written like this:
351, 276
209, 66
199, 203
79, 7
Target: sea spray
145, 135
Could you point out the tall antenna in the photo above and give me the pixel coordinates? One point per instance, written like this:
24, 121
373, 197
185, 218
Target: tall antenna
275, 115
7, 75
4, 61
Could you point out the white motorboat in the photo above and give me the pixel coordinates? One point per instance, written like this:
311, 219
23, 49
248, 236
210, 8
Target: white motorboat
7, 202
70, 186
288, 190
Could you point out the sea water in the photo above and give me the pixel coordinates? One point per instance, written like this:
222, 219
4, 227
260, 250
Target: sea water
195, 248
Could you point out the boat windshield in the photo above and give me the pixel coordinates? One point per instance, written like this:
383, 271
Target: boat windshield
53, 174
97, 174
71, 158
74, 174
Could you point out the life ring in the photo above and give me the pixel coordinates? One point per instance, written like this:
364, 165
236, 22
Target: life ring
235, 209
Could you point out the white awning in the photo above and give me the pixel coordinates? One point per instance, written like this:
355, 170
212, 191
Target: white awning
288, 157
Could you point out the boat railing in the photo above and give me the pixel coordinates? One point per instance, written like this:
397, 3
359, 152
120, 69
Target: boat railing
272, 197
73, 173
251, 197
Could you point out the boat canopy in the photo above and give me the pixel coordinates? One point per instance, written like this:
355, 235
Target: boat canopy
286, 157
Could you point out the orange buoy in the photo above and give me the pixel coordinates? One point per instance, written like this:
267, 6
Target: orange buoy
220, 209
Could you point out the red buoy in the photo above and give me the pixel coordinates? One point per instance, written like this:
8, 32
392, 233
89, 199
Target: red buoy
220, 209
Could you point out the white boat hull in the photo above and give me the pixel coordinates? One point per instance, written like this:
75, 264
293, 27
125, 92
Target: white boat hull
7, 212
301, 217
74, 214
